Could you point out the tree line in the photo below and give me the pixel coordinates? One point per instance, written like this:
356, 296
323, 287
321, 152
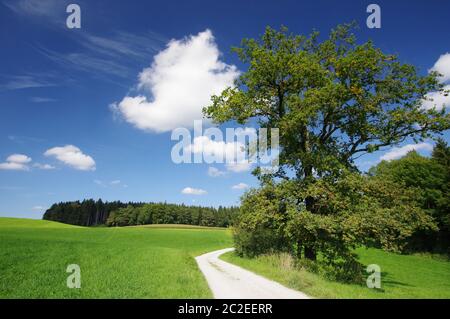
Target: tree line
163, 213
92, 213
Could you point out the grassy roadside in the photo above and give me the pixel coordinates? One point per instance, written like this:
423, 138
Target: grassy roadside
129, 262
177, 226
403, 276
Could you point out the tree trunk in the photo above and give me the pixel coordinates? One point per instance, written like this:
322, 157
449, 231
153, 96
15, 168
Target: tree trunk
299, 249
310, 252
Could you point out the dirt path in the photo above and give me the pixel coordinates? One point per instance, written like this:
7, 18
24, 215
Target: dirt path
228, 281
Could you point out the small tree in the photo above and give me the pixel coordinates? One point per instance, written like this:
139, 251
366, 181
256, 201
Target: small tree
429, 178
332, 101
441, 153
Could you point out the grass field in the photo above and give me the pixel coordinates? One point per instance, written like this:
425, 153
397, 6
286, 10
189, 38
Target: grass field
157, 262
176, 226
402, 276
129, 262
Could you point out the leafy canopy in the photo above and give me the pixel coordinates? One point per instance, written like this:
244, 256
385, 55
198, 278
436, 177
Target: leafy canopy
332, 100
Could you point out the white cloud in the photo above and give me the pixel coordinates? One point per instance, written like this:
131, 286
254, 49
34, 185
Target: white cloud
50, 9
44, 166
226, 151
193, 191
442, 66
113, 183
37, 99
87, 63
24, 139
181, 80
239, 167
120, 43
18, 158
437, 100
215, 172
231, 153
38, 208
11, 188
17, 82
398, 152
16, 162
99, 182
107, 57
13, 166
240, 186
72, 156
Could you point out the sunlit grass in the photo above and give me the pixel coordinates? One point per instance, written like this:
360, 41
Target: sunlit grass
403, 276
130, 262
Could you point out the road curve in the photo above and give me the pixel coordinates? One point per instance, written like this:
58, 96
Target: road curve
228, 281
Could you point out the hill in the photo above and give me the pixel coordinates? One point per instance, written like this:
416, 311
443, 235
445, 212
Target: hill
116, 262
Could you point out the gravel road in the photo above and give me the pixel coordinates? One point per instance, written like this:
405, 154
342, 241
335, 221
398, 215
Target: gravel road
228, 281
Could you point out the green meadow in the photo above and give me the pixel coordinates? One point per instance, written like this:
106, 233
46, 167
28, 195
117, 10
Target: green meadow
126, 262
402, 276
156, 261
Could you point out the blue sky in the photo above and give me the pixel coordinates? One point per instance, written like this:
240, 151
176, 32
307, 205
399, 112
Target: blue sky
63, 91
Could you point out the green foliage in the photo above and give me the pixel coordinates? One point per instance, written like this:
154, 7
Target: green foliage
429, 179
331, 100
368, 211
441, 153
331, 240
416, 171
163, 213
85, 213
349, 212
91, 213
259, 228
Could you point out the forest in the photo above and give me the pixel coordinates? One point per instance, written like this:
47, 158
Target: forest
93, 213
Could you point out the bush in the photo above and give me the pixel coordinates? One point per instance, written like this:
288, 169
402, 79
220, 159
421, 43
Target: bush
328, 236
257, 242
259, 227
345, 213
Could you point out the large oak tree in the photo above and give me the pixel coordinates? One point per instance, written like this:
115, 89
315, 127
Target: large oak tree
333, 100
